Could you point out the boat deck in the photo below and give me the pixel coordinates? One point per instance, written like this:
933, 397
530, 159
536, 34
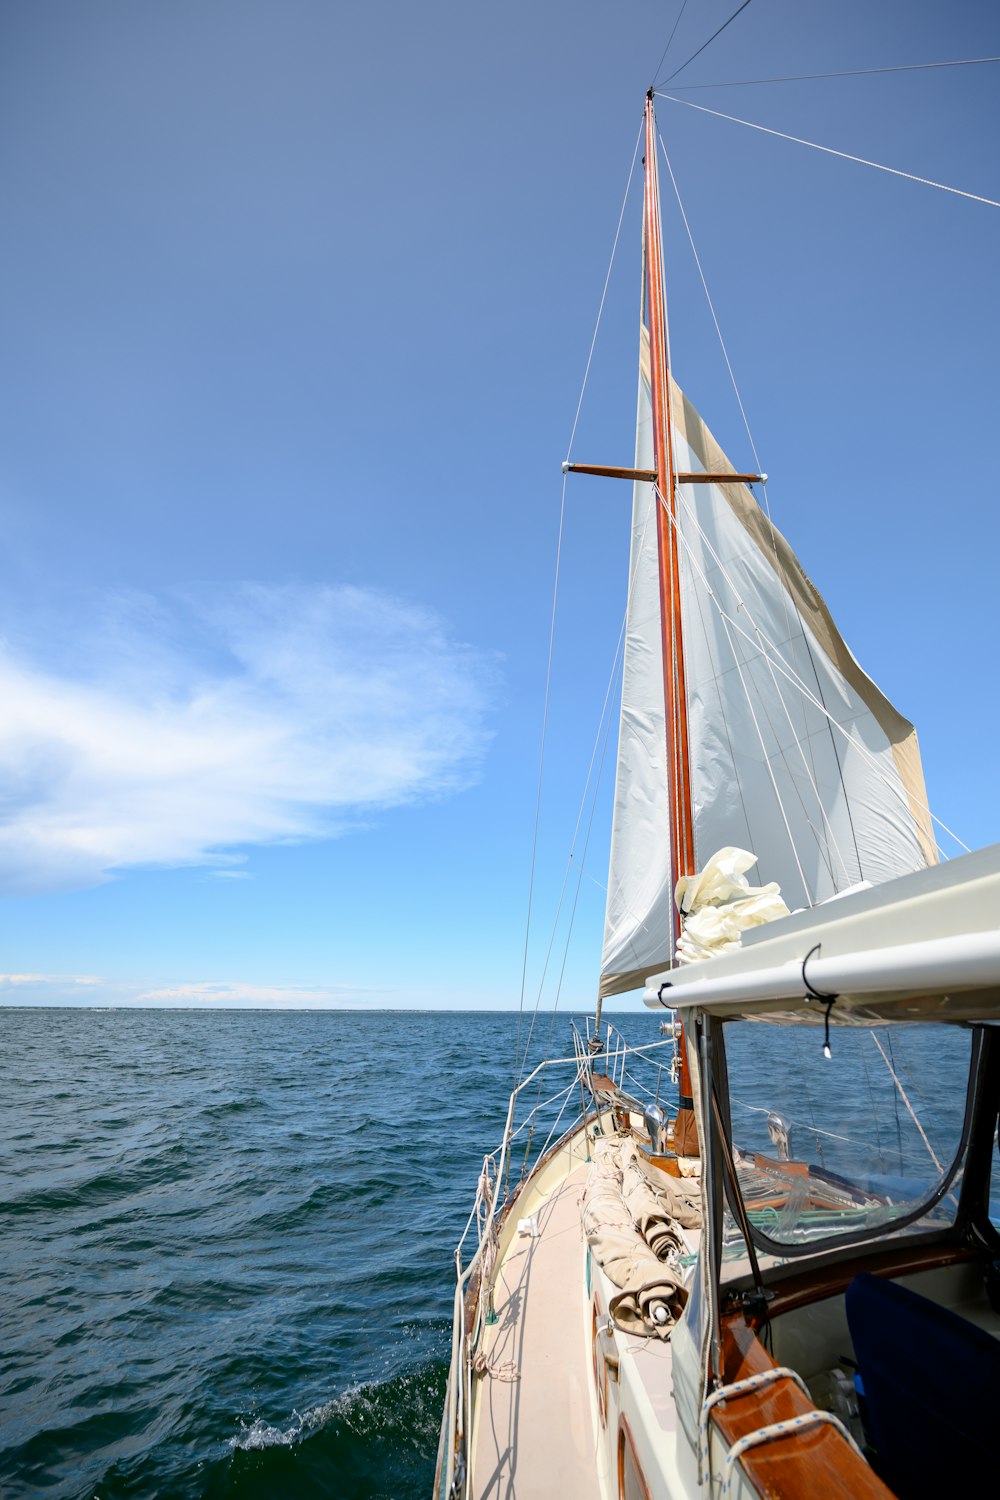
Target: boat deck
535, 1435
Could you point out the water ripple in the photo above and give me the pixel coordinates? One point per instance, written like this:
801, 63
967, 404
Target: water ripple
222, 1277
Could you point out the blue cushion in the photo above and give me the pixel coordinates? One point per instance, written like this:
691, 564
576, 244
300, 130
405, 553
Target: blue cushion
932, 1384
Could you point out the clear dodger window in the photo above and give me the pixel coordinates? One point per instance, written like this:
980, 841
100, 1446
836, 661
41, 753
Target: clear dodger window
833, 1148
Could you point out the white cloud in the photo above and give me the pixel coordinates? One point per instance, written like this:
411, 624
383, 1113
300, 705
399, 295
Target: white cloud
253, 996
15, 981
185, 730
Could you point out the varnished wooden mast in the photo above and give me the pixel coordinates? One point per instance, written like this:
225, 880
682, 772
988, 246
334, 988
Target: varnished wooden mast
674, 679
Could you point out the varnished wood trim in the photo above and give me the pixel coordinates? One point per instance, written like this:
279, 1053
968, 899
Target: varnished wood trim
822, 1282
600, 1367
625, 1436
649, 476
816, 1461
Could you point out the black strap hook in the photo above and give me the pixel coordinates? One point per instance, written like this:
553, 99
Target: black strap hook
814, 994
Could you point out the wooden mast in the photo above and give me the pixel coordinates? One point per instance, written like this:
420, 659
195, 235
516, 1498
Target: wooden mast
674, 680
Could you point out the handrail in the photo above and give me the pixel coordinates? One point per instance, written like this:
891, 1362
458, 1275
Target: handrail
489, 1204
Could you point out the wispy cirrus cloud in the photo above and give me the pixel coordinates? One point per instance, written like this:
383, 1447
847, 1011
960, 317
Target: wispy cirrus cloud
183, 730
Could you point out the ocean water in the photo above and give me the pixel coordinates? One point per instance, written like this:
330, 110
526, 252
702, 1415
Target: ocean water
227, 1238
227, 1245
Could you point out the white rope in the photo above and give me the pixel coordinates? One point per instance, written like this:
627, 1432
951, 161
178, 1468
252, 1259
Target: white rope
902, 1092
776, 1430
508, 1371
555, 1123
830, 151
562, 1094
732, 1392
757, 1109
642, 1087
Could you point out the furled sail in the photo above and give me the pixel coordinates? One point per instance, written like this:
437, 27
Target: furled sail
795, 753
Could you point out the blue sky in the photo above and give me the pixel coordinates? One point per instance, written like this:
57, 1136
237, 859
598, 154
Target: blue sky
296, 304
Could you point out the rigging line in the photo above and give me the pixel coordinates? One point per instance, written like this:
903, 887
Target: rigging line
579, 883
701, 49
541, 770
831, 151
793, 677
905, 1070
827, 843
750, 437
902, 1094
576, 898
829, 838
604, 293
586, 789
757, 1109
711, 304
602, 729
619, 891
871, 1097
670, 38
742, 83
552, 625
770, 770
767, 509
756, 725
732, 374
725, 722
857, 745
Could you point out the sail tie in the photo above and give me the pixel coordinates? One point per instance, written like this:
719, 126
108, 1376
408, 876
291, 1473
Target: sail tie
812, 993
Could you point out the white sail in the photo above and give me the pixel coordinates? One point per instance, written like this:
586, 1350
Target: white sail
795, 753
638, 927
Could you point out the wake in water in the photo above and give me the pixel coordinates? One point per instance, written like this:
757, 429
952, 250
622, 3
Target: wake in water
186, 1206
372, 1440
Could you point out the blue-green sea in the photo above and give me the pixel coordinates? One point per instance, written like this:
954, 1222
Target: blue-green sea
227, 1245
227, 1237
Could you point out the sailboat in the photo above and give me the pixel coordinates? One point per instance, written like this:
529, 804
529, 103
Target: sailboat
727, 1276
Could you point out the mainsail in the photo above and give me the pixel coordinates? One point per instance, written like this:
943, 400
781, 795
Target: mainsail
795, 754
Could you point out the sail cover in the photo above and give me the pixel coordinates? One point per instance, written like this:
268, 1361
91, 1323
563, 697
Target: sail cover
795, 753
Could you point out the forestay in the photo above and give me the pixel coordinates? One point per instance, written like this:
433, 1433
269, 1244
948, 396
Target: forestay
795, 753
